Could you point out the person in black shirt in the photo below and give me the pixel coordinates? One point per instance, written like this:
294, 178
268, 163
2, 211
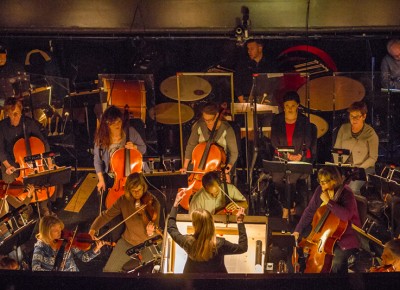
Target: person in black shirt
205, 251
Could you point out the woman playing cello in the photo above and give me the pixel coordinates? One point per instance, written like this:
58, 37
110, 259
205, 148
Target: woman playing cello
344, 209
138, 227
110, 137
48, 245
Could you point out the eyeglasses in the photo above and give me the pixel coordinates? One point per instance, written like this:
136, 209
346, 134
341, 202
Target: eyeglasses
358, 117
323, 182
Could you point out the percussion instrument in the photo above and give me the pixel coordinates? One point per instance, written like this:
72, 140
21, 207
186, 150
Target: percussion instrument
322, 125
192, 88
331, 93
241, 108
168, 113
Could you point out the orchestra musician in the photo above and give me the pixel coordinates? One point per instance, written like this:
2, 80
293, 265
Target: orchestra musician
9, 71
391, 255
11, 130
110, 136
344, 209
390, 66
8, 200
205, 251
138, 227
212, 198
224, 136
362, 141
291, 128
49, 244
255, 63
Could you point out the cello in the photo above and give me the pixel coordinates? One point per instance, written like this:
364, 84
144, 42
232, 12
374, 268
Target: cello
206, 156
326, 230
26, 147
123, 162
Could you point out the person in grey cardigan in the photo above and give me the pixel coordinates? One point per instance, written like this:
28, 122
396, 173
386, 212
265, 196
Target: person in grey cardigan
361, 139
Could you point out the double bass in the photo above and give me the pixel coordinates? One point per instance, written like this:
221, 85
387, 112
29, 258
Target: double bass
206, 156
26, 147
123, 162
326, 230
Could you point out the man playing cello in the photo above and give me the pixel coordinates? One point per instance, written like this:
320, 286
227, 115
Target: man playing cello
344, 209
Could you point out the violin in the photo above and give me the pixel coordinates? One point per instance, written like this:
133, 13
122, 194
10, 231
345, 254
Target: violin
382, 269
81, 241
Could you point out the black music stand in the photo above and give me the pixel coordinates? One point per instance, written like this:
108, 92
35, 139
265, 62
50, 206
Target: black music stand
49, 178
288, 168
83, 100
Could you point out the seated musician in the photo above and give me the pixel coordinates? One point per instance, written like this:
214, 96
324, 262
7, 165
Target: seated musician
224, 136
11, 130
110, 137
212, 196
391, 256
292, 129
361, 139
205, 251
390, 65
344, 209
8, 200
138, 227
46, 250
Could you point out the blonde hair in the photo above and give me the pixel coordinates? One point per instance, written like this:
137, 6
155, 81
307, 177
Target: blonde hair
45, 225
331, 173
203, 245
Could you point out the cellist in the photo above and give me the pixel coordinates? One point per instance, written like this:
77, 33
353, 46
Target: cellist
11, 130
110, 137
224, 136
344, 209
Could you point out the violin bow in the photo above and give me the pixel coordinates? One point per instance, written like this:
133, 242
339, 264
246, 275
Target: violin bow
120, 223
69, 250
227, 195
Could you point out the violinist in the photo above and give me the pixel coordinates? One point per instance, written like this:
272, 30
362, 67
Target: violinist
390, 257
212, 196
344, 209
224, 136
11, 130
205, 251
49, 244
138, 228
110, 137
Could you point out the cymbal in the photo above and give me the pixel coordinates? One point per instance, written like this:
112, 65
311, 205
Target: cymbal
323, 90
241, 108
322, 125
192, 88
167, 113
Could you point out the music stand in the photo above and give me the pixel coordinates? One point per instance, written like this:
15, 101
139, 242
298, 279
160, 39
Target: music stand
83, 100
49, 178
288, 168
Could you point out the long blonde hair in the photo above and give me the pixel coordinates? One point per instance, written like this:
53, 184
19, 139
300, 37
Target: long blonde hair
45, 225
203, 245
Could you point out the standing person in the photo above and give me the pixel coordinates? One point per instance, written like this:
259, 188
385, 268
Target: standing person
362, 141
11, 130
290, 128
205, 251
224, 136
390, 66
345, 209
48, 245
255, 63
211, 198
110, 137
138, 228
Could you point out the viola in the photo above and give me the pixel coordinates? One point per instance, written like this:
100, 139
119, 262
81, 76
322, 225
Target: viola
382, 269
123, 162
81, 241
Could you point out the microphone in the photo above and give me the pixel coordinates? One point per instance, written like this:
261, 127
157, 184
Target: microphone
258, 267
